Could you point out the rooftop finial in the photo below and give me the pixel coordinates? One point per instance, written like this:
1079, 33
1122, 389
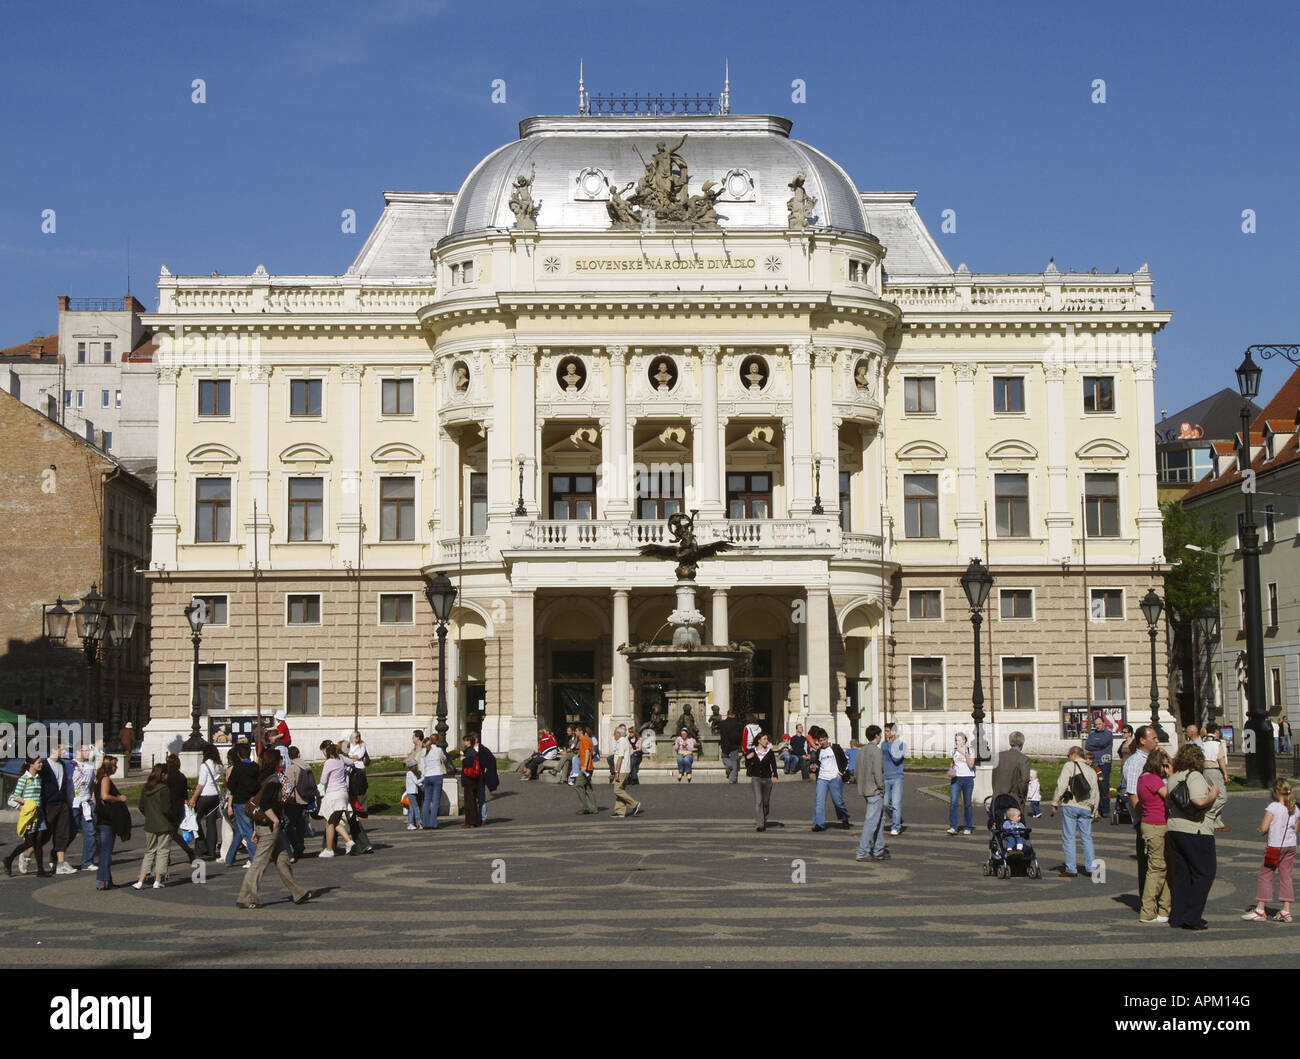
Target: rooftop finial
725, 107
582, 94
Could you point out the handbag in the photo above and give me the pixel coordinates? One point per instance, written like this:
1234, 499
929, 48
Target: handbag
1272, 856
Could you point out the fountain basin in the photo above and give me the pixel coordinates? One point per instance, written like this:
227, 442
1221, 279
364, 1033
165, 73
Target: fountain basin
686, 661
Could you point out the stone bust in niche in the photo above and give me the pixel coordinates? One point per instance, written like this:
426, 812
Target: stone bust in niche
460, 378
754, 376
663, 377
572, 378
861, 377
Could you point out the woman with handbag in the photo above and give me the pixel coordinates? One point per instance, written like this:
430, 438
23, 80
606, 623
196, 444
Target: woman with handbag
961, 783
1279, 824
264, 810
1189, 840
31, 817
206, 803
114, 820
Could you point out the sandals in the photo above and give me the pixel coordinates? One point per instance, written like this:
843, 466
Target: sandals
1256, 916
1281, 917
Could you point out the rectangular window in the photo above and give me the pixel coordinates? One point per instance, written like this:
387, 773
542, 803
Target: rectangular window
853, 271
81, 352
467, 272
478, 504
103, 398
396, 608
660, 492
304, 397
573, 496
1018, 683
927, 683
214, 397
211, 679
1101, 504
108, 440
1276, 683
398, 397
924, 604
921, 505
67, 398
846, 501
1008, 393
396, 687
212, 509
1269, 532
108, 352
1012, 504
1098, 393
1108, 680
117, 398
1272, 604
1017, 602
303, 610
81, 398
1107, 603
918, 396
306, 509
749, 496
215, 609
397, 509
302, 688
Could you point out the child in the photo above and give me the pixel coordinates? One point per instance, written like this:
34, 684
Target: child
412, 800
1280, 825
1035, 795
1013, 832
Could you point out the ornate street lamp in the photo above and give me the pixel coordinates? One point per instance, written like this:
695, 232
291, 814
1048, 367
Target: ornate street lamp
441, 594
195, 613
1258, 744
817, 500
976, 583
520, 510
91, 621
56, 619
1152, 607
1207, 621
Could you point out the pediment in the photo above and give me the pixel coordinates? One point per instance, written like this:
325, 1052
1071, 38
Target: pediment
396, 452
1012, 449
583, 441
211, 452
760, 439
669, 442
922, 450
305, 452
1102, 449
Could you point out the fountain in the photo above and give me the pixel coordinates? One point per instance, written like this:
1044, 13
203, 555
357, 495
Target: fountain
686, 657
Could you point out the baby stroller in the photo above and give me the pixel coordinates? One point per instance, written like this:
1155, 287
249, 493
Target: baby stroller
1000, 862
1121, 812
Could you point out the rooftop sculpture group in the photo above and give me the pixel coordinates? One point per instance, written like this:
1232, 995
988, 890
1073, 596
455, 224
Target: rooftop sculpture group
663, 191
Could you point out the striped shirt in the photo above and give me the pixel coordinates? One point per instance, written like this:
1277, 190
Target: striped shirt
1133, 767
28, 788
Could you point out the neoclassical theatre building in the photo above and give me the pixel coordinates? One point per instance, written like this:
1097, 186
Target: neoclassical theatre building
616, 318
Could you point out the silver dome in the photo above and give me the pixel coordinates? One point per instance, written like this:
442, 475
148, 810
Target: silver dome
751, 156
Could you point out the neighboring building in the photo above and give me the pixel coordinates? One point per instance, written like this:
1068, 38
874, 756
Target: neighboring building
96, 375
1184, 440
355, 433
1275, 459
71, 518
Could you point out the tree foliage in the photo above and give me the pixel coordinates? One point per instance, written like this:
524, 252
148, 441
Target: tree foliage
1189, 583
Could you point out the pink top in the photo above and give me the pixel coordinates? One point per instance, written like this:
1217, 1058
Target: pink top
1281, 825
1152, 805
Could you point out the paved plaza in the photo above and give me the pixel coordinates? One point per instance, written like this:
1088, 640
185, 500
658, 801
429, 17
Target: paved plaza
689, 882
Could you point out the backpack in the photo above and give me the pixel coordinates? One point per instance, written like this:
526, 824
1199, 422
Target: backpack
1078, 789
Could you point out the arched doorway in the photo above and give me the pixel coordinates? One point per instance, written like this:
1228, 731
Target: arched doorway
859, 630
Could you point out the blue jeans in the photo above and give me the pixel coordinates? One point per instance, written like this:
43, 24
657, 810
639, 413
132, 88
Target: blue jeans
835, 788
482, 801
413, 812
873, 828
790, 762
1075, 819
432, 799
243, 833
732, 761
684, 762
89, 842
894, 800
106, 839
962, 787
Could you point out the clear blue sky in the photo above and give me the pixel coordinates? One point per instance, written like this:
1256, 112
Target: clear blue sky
314, 107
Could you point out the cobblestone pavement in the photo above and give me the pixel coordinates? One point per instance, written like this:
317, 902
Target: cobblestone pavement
687, 882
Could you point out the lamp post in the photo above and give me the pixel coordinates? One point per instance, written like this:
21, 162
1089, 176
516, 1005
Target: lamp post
120, 630
91, 622
976, 583
817, 500
195, 614
1207, 620
1152, 607
520, 510
441, 594
1258, 745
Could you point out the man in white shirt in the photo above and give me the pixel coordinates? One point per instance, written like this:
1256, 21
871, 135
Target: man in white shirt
827, 761
626, 804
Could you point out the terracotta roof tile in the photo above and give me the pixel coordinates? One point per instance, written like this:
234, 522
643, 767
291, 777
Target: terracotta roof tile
41, 345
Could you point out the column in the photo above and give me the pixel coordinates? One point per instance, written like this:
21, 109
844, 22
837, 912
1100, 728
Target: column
259, 467
523, 717
349, 521
827, 442
787, 465
695, 492
711, 505
604, 480
501, 480
1060, 515
620, 676
970, 520
1149, 521
525, 430
448, 488
800, 490
166, 527
616, 469
817, 657
718, 634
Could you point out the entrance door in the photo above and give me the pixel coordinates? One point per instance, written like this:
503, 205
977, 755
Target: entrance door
755, 692
573, 690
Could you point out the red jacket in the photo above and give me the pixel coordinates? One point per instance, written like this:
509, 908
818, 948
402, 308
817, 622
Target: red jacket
545, 743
